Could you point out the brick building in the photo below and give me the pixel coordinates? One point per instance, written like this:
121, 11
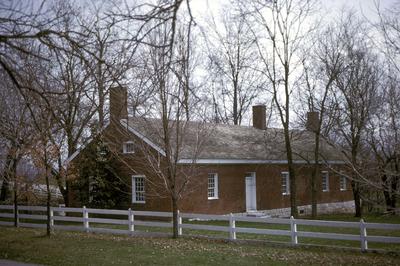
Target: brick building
228, 169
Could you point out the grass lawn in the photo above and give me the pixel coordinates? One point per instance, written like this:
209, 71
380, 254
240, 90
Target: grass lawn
68, 248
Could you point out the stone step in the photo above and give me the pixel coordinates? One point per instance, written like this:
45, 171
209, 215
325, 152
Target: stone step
257, 214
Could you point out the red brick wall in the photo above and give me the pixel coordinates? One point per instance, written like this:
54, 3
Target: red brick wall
231, 185
232, 191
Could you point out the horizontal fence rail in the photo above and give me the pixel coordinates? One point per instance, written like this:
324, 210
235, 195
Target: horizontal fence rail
82, 219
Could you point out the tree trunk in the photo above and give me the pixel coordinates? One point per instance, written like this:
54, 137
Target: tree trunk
48, 227
292, 175
395, 185
394, 194
354, 184
16, 222
63, 190
357, 199
235, 105
5, 190
13, 173
314, 191
100, 86
293, 188
387, 193
186, 94
175, 217
314, 175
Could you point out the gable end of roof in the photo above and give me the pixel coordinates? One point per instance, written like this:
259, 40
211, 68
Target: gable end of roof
124, 123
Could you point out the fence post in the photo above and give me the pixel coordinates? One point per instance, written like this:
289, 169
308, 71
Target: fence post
51, 218
85, 219
179, 223
293, 230
232, 227
131, 220
16, 216
363, 235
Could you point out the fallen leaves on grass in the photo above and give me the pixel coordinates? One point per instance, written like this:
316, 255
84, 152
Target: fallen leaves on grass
158, 249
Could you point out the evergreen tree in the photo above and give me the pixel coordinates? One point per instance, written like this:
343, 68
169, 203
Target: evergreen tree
100, 185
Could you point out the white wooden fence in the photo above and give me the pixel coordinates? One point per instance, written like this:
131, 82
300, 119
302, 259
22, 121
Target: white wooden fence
82, 220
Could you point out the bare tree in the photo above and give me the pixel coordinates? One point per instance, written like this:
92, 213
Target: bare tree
72, 106
355, 93
16, 131
110, 55
26, 27
389, 28
171, 113
384, 127
185, 67
159, 34
232, 57
280, 28
30, 31
321, 70
383, 139
46, 150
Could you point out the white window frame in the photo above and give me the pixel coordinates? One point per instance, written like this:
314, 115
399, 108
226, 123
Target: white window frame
214, 188
125, 147
134, 191
285, 182
325, 179
343, 181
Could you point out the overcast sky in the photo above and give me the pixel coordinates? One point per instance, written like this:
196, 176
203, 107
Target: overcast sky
330, 7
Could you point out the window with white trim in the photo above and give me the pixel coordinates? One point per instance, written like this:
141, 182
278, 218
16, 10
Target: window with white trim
212, 188
325, 181
343, 182
285, 183
138, 189
128, 147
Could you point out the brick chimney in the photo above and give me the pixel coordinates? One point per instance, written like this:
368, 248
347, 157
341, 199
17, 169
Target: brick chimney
259, 116
118, 103
312, 121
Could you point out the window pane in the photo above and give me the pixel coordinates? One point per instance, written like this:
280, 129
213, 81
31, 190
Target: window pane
139, 189
212, 188
129, 147
343, 183
285, 183
325, 181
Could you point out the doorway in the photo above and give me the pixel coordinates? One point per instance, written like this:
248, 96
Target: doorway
251, 199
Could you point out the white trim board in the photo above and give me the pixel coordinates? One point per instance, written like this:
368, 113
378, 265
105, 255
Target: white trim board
124, 123
249, 161
70, 158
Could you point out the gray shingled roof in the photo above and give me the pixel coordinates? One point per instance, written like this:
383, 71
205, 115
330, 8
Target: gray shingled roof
218, 141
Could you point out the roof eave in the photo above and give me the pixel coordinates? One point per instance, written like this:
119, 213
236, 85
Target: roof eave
252, 161
124, 123
76, 153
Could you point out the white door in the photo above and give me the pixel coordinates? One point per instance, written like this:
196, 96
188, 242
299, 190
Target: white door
251, 204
